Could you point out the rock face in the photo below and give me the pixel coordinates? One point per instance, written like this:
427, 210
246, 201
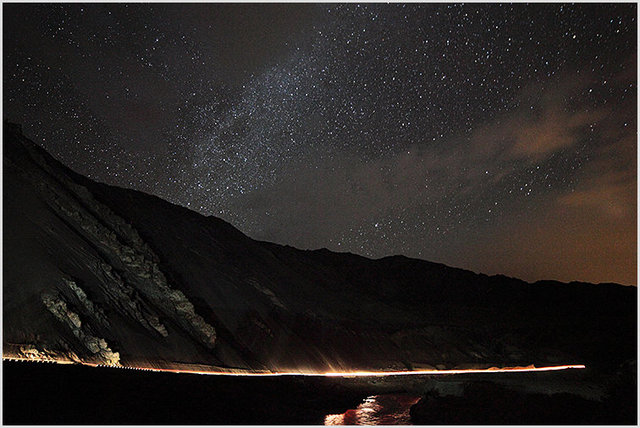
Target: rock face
102, 274
97, 346
111, 261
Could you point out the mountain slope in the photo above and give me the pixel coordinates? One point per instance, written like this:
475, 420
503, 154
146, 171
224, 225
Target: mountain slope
101, 274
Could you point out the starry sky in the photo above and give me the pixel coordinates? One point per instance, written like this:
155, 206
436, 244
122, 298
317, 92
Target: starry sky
495, 138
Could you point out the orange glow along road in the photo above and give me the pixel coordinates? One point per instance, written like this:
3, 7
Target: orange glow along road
345, 374
459, 371
351, 374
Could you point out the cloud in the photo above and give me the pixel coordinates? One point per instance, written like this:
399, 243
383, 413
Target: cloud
587, 231
547, 120
454, 199
554, 131
613, 193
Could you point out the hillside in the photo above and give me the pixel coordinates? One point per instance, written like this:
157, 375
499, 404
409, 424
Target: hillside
105, 275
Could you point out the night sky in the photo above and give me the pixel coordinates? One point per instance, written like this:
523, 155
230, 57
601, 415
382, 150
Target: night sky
496, 138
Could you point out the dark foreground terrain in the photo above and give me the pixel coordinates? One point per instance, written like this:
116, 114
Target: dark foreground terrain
40, 393
488, 403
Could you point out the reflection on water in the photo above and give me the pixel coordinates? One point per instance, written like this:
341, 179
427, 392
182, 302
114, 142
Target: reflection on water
388, 409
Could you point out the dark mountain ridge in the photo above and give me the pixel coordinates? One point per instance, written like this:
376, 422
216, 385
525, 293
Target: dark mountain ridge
97, 273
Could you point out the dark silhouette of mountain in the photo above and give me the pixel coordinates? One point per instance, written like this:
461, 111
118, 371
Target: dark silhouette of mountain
106, 275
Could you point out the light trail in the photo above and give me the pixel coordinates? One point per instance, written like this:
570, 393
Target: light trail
349, 374
345, 374
455, 371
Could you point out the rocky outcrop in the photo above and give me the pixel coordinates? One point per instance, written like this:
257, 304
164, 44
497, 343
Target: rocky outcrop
97, 346
267, 292
129, 264
126, 299
144, 273
39, 353
96, 311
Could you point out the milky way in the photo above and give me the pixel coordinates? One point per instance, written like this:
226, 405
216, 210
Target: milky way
497, 138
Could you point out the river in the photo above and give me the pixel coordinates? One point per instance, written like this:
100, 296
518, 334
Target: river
386, 409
